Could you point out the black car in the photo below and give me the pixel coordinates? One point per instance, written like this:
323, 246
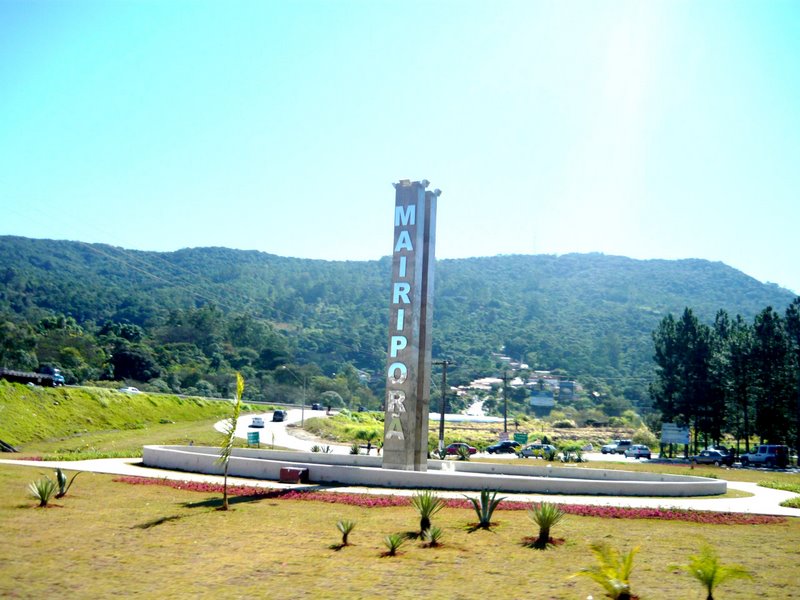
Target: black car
712, 457
316, 406
279, 415
504, 447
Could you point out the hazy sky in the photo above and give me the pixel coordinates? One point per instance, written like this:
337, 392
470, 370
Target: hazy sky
647, 129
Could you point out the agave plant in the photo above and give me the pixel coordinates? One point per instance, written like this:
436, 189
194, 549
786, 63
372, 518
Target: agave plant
546, 516
485, 506
393, 542
316, 448
63, 484
707, 569
355, 448
427, 504
432, 536
42, 489
463, 453
345, 527
612, 571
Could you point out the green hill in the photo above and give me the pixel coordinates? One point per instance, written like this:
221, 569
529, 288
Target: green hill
188, 318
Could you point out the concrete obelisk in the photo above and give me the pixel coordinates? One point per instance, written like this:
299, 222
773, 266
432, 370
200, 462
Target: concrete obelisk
408, 370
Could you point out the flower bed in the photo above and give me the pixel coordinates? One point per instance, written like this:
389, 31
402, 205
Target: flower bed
370, 501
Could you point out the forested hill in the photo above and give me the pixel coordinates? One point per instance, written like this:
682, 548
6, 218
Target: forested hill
587, 314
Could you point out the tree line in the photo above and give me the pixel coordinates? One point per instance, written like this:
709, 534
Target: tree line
733, 377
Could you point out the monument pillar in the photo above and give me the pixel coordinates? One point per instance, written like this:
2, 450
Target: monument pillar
408, 370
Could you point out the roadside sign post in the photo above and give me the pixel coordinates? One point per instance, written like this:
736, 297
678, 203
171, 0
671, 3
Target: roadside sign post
253, 438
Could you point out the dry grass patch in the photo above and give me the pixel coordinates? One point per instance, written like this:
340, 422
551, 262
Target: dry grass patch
109, 538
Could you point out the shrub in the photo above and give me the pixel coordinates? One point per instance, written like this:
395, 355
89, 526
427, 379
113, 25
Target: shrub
393, 542
427, 504
63, 485
432, 535
43, 489
645, 437
485, 507
345, 527
463, 453
707, 570
564, 424
612, 571
546, 516
316, 448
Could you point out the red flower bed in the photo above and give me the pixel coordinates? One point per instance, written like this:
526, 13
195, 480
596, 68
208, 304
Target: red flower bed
370, 501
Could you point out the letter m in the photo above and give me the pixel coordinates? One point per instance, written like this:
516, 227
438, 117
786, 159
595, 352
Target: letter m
407, 215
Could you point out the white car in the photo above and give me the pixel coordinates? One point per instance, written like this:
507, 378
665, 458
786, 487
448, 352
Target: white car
130, 390
257, 422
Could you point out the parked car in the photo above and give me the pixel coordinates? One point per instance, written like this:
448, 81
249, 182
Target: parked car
130, 390
257, 422
638, 451
616, 447
712, 457
504, 447
453, 448
767, 455
537, 451
279, 415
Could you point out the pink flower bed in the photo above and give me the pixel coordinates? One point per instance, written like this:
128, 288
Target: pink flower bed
369, 501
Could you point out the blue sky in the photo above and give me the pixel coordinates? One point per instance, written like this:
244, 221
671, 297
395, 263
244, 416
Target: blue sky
645, 129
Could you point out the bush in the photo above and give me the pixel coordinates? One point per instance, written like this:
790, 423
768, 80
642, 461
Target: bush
645, 437
43, 489
708, 571
393, 542
432, 536
345, 527
485, 507
355, 448
612, 571
427, 504
546, 516
564, 424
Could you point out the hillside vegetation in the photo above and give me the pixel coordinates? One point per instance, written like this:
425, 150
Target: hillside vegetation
30, 414
184, 321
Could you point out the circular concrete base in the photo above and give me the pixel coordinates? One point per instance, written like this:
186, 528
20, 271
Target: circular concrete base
444, 475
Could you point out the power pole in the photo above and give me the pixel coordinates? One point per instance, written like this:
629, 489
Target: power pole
443, 403
505, 401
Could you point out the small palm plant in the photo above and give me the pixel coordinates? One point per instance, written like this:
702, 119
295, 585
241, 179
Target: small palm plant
427, 504
43, 489
612, 571
63, 484
485, 507
345, 527
463, 453
393, 542
546, 516
230, 436
432, 536
355, 448
707, 569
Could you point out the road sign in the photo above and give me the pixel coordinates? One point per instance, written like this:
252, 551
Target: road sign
253, 438
522, 438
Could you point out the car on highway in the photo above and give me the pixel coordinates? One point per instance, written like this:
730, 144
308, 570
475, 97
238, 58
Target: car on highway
257, 422
316, 406
454, 448
638, 451
537, 451
616, 447
712, 457
130, 390
504, 447
279, 415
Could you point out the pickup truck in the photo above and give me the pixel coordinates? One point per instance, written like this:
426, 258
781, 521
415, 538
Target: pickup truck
766, 455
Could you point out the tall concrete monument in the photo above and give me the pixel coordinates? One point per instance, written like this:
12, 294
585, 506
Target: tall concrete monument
408, 371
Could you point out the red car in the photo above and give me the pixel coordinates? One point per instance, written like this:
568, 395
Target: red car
453, 448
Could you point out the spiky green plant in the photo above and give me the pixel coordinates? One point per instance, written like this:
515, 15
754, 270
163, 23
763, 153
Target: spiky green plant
432, 536
345, 527
230, 436
63, 484
612, 571
393, 542
463, 453
42, 489
355, 448
316, 448
427, 504
546, 516
485, 507
327, 449
706, 568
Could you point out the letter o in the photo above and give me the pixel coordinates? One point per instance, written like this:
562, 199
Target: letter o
403, 373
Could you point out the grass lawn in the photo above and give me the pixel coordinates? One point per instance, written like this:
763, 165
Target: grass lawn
107, 538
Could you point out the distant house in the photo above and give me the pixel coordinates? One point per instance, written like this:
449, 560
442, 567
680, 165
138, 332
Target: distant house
542, 402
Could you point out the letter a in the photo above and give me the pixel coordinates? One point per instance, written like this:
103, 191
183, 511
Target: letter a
395, 429
403, 242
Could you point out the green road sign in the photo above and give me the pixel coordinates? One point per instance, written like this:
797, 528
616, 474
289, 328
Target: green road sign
522, 438
253, 438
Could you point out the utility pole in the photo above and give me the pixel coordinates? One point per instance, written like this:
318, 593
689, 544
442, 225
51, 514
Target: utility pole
505, 401
443, 403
